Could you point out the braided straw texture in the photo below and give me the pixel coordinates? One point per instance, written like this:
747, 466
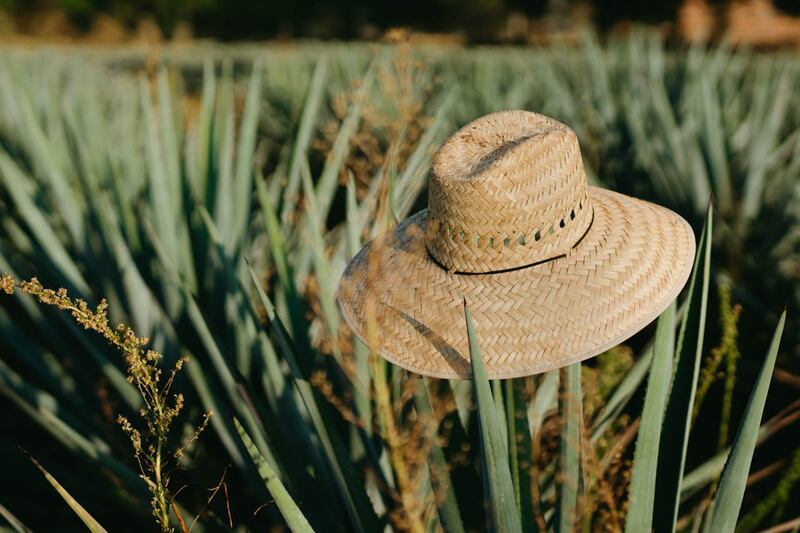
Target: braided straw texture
630, 264
506, 190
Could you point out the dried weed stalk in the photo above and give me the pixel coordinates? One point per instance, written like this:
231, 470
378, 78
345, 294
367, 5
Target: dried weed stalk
161, 408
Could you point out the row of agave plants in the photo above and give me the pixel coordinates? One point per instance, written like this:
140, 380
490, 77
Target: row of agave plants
211, 208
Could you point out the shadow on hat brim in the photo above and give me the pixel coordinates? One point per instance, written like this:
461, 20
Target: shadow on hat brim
630, 265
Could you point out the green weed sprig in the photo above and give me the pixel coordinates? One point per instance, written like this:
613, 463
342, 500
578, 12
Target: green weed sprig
143, 371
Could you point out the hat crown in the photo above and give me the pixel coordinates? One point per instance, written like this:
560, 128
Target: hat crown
506, 191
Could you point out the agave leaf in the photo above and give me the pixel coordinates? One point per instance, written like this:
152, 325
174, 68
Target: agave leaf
91, 524
314, 233
360, 351
204, 137
497, 483
628, 386
441, 482
243, 177
326, 184
45, 411
161, 192
519, 449
287, 506
168, 139
643, 480
278, 252
44, 151
570, 450
351, 490
305, 130
227, 374
728, 499
544, 400
18, 187
622, 394
677, 418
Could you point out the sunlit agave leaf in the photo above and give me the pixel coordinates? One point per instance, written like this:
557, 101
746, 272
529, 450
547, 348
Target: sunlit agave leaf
762, 145
291, 512
730, 492
278, 252
242, 189
305, 130
161, 193
713, 135
313, 233
497, 483
675, 429
361, 385
643, 477
570, 450
169, 141
202, 140
223, 191
91, 524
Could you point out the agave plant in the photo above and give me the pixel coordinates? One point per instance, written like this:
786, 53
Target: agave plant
215, 217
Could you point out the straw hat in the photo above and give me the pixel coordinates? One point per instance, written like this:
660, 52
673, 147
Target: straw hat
554, 271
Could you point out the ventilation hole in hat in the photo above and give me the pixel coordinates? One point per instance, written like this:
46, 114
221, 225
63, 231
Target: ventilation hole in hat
561, 224
572, 215
551, 231
537, 236
506, 242
580, 204
491, 242
521, 240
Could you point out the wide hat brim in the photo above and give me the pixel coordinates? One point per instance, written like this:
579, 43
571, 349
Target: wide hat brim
629, 266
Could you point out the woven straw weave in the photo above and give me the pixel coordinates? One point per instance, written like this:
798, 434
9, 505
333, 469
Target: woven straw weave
554, 271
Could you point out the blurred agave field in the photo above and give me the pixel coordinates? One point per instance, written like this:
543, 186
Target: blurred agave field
213, 194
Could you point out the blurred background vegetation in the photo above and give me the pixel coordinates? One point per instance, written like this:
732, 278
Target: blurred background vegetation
471, 21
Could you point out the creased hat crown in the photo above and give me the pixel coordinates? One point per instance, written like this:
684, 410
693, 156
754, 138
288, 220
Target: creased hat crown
506, 191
